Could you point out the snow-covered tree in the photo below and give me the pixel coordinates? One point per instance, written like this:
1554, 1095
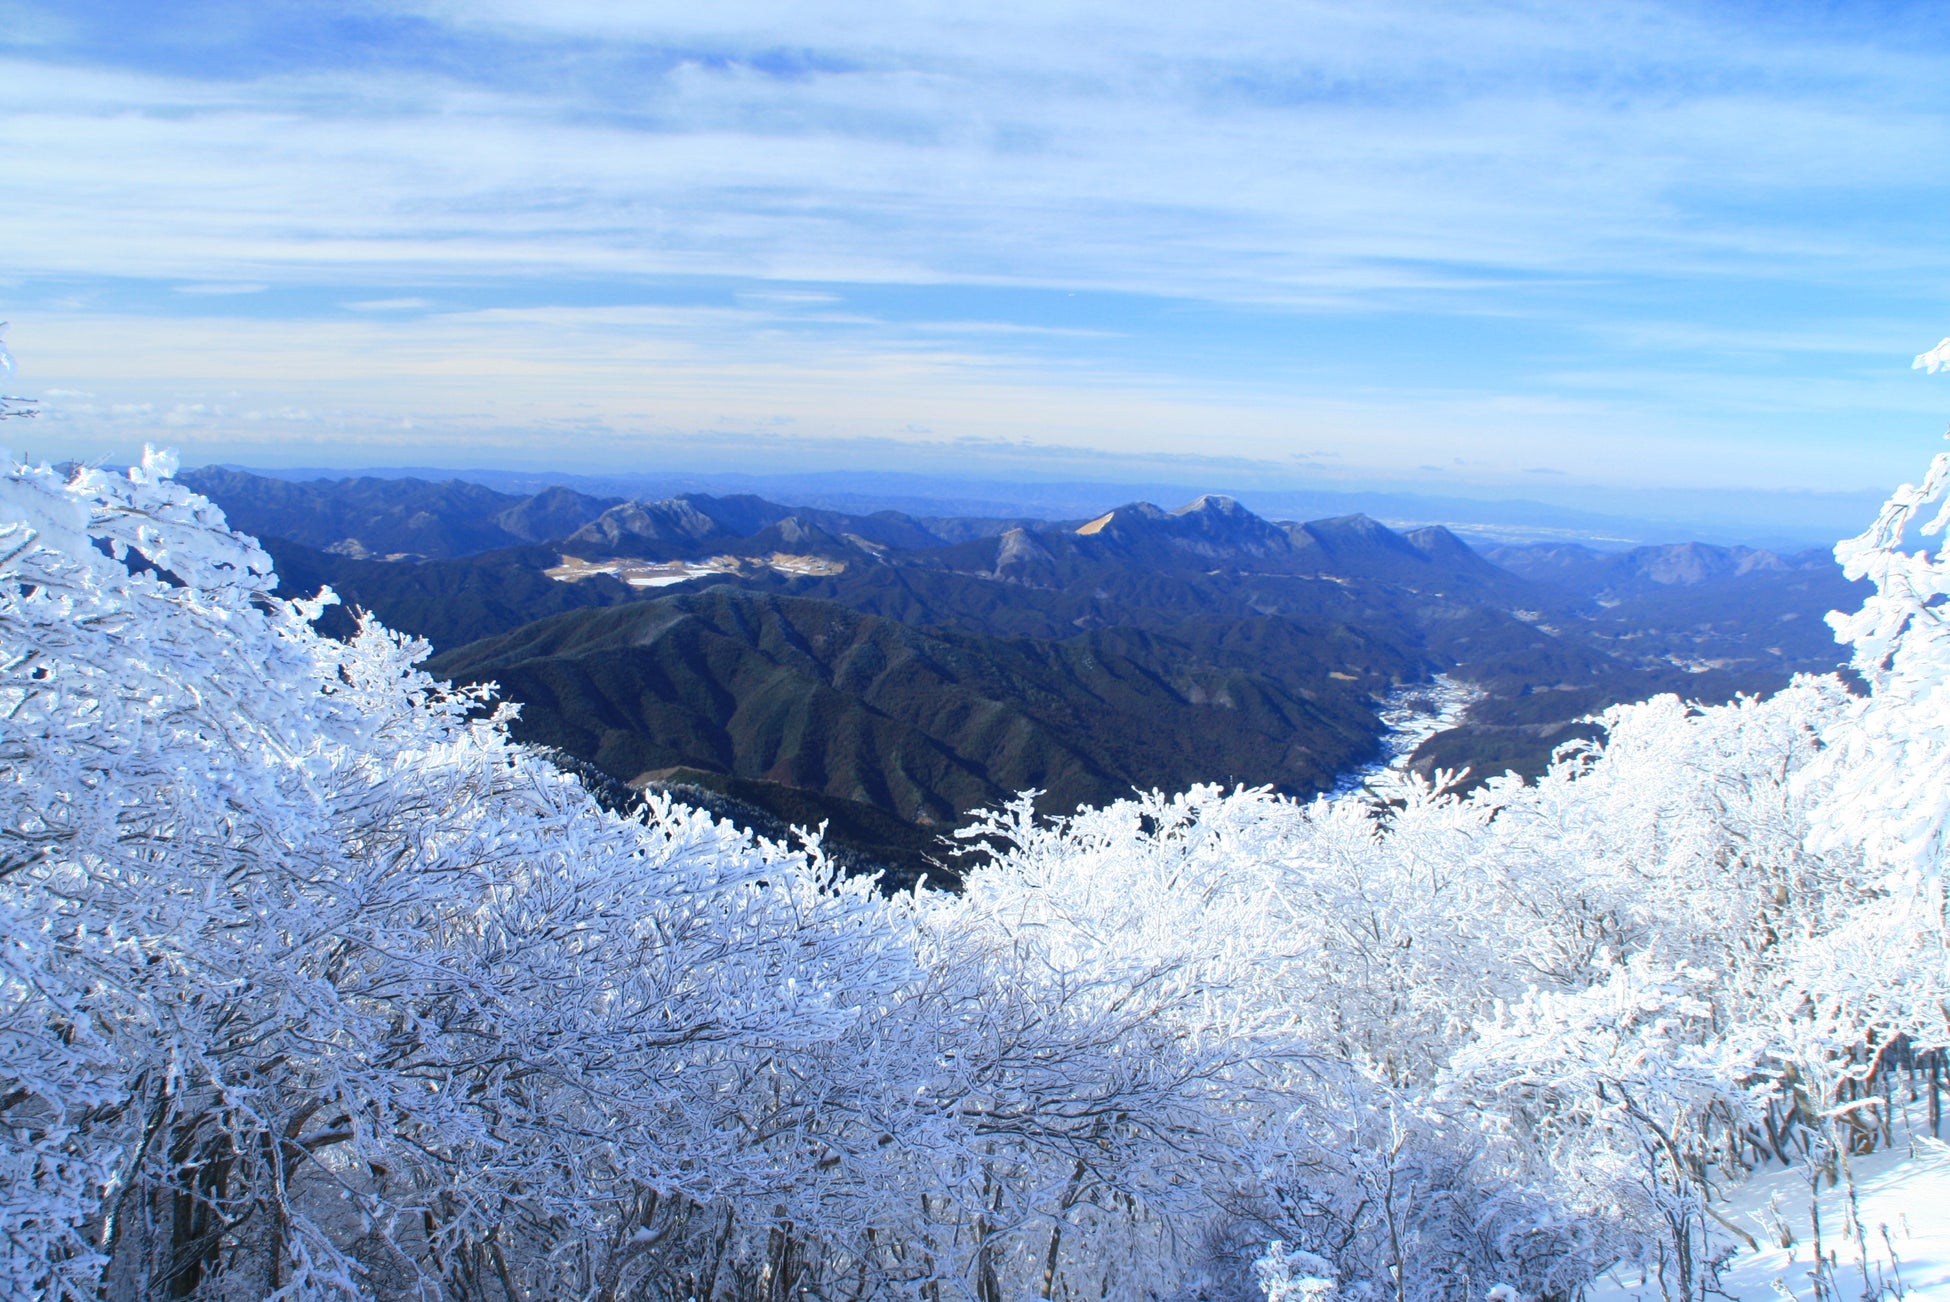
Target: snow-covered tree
313, 981
313, 984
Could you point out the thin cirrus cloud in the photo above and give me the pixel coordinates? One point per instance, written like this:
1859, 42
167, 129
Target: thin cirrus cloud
1304, 208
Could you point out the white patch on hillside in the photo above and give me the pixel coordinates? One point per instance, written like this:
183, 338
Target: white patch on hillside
1412, 715
663, 574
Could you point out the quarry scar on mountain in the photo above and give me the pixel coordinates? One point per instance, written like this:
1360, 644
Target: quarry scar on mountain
640, 573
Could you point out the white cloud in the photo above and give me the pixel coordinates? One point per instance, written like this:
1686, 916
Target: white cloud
389, 305
787, 297
1491, 161
622, 388
1309, 153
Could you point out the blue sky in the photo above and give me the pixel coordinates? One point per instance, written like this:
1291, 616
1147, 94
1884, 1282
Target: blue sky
1538, 250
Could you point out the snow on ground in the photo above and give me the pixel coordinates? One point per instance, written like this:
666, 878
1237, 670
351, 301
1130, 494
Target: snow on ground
1903, 1250
1412, 715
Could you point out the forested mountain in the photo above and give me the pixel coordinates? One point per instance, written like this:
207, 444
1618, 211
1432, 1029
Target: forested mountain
933, 723
400, 518
1590, 573
838, 663
696, 524
419, 519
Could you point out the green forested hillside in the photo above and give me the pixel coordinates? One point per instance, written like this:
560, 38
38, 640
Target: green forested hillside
851, 669
932, 723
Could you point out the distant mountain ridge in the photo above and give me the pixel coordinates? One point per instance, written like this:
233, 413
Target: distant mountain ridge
416, 519
408, 518
830, 663
695, 524
1212, 526
1216, 531
1788, 521
1589, 572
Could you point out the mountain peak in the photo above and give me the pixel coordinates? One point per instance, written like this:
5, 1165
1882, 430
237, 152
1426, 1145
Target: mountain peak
1212, 527
674, 522
1214, 504
1437, 542
1357, 532
1119, 518
1018, 551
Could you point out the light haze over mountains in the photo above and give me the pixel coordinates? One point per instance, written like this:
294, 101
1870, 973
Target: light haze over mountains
1520, 251
1607, 520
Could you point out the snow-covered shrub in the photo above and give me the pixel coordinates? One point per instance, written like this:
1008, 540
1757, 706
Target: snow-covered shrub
1886, 961
313, 984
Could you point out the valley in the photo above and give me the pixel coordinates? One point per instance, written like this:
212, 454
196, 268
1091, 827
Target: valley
889, 674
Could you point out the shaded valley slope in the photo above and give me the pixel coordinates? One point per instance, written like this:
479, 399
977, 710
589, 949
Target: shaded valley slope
888, 674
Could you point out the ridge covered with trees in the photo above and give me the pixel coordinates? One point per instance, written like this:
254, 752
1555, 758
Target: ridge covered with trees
888, 674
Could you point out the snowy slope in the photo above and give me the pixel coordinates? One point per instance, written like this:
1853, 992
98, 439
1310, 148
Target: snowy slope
1903, 1205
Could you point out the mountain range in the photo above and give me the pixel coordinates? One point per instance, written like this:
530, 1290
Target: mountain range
1610, 518
887, 673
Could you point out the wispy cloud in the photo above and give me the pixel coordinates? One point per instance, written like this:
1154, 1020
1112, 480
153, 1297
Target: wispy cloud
619, 388
390, 305
1397, 150
1269, 210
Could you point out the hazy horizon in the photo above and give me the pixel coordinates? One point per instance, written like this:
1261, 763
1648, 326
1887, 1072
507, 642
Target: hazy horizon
1780, 521
1635, 252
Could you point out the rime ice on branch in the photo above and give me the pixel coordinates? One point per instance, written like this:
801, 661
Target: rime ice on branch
314, 985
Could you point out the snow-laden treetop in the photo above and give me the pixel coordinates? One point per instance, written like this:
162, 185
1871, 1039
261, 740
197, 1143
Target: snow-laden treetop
313, 984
